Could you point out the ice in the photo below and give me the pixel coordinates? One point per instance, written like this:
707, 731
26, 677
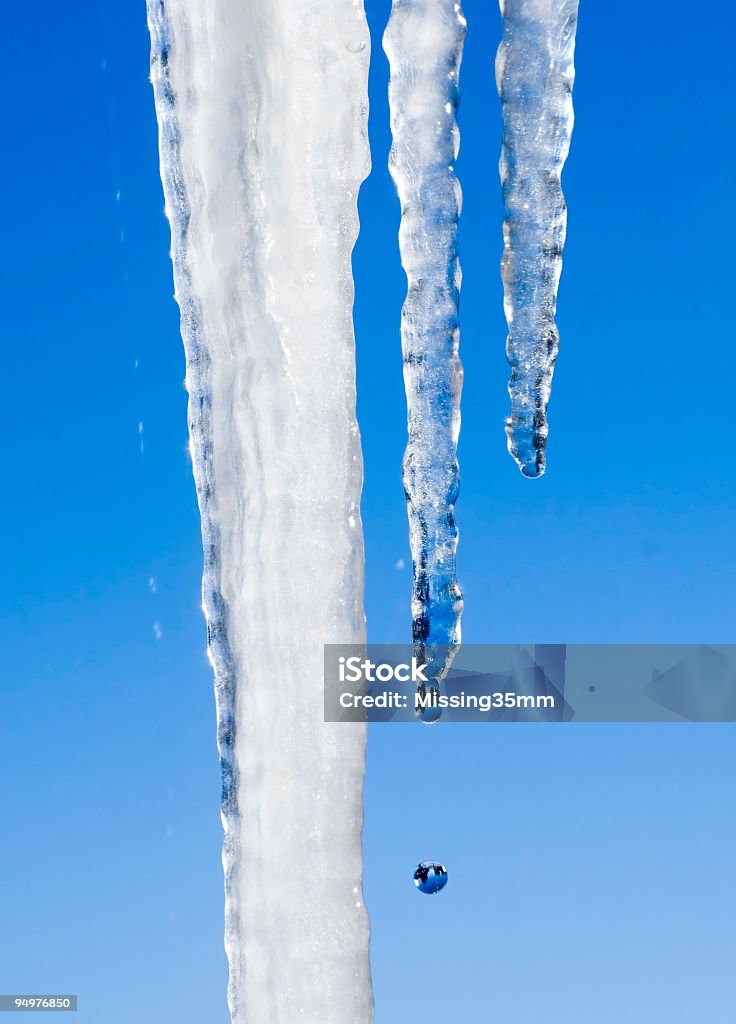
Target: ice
262, 111
534, 74
424, 42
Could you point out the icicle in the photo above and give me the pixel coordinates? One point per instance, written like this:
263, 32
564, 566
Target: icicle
534, 74
424, 42
262, 110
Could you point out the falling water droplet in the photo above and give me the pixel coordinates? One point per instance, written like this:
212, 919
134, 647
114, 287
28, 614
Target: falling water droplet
427, 708
430, 877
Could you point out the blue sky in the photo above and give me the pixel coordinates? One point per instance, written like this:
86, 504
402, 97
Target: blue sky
590, 868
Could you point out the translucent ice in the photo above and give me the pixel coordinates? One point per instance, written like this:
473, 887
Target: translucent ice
424, 42
534, 74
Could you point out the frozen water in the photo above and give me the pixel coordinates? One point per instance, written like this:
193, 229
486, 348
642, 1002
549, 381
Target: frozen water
424, 42
262, 111
534, 74
430, 877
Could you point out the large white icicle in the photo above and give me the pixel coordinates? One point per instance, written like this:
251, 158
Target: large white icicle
534, 74
262, 110
424, 43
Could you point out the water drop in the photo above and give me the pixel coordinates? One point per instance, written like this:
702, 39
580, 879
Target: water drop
427, 705
430, 877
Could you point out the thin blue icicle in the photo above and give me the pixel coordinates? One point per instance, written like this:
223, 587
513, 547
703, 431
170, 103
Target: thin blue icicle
424, 42
534, 73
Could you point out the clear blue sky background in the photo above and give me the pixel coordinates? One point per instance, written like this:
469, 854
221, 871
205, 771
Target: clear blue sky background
591, 867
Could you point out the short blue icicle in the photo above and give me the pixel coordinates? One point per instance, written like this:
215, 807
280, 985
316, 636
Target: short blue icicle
534, 72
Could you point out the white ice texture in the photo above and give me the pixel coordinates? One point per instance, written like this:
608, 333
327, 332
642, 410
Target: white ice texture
424, 43
534, 74
262, 110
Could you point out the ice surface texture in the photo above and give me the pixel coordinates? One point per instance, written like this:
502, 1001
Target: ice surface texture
534, 74
424, 42
262, 111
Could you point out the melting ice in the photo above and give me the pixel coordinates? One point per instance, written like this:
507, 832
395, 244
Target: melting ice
534, 74
262, 111
424, 43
